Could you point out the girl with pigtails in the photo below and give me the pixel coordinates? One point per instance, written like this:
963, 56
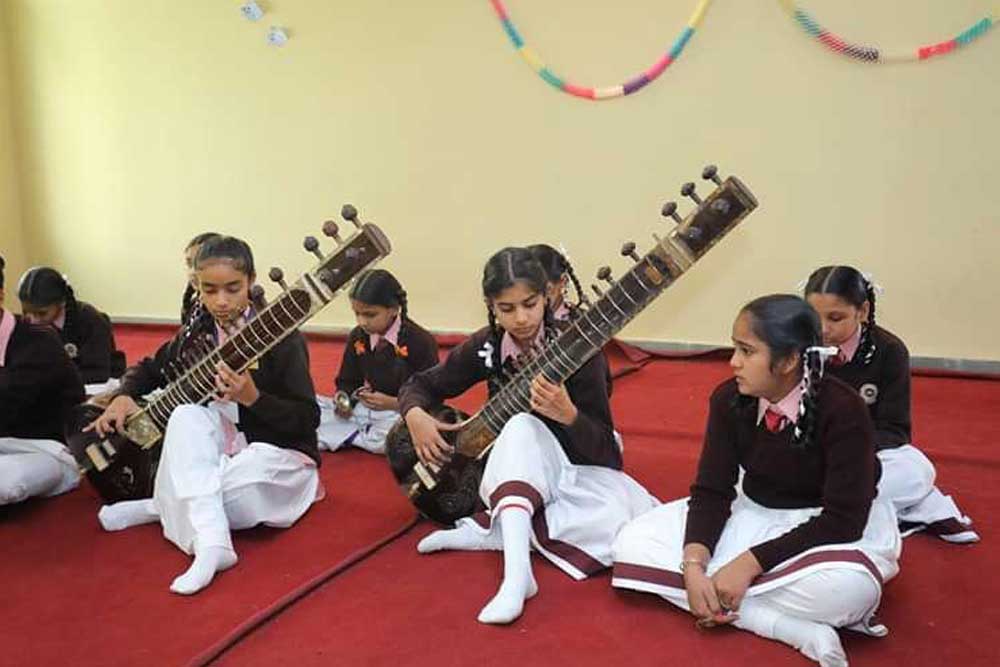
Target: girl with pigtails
804, 545
877, 364
39, 388
48, 299
553, 478
249, 456
382, 352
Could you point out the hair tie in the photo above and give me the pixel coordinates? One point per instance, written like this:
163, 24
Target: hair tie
564, 252
870, 279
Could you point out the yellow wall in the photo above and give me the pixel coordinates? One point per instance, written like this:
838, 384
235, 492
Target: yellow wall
12, 247
144, 122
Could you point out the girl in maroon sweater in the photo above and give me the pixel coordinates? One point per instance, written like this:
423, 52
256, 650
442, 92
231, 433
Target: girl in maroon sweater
249, 456
48, 299
802, 545
39, 386
553, 479
382, 352
877, 364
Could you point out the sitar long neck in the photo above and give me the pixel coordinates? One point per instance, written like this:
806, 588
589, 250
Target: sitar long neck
586, 334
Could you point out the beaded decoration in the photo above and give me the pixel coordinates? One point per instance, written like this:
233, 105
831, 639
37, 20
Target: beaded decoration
605, 92
872, 54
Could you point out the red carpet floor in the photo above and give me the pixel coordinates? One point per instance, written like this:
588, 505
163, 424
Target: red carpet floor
74, 595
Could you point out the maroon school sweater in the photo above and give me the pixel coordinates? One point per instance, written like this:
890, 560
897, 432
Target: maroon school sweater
39, 385
386, 367
838, 471
884, 385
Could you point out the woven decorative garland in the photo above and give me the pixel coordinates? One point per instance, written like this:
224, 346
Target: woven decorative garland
605, 92
875, 55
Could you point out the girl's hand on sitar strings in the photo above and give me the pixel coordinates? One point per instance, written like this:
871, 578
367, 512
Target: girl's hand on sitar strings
552, 400
233, 386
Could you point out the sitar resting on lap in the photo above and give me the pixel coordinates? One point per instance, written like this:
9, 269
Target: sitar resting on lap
123, 467
449, 492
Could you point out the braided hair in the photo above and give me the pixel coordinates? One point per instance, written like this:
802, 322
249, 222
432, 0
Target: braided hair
790, 327
378, 287
43, 286
503, 270
229, 248
2, 265
853, 287
556, 266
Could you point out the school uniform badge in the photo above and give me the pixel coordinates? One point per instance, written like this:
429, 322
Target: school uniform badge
869, 393
71, 350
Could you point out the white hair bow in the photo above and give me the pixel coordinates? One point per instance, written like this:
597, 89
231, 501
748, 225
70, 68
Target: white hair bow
870, 279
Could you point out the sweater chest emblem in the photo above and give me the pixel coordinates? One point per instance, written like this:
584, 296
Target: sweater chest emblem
869, 393
71, 350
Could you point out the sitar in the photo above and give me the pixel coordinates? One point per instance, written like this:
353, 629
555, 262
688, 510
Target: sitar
123, 466
451, 491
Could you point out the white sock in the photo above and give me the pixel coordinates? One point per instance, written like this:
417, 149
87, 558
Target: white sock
206, 563
128, 513
817, 641
518, 580
463, 538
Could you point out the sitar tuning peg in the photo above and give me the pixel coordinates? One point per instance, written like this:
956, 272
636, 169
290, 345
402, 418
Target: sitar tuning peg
669, 210
350, 213
597, 290
278, 276
711, 173
604, 273
332, 230
312, 245
628, 250
687, 190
